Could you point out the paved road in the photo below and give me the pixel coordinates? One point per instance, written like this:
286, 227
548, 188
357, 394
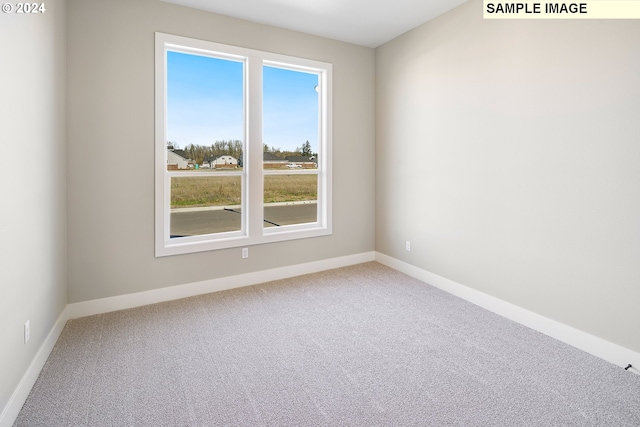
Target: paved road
215, 221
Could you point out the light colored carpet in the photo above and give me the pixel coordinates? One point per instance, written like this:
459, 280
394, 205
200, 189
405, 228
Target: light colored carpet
357, 346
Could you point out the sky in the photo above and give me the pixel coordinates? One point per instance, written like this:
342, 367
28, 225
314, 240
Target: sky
205, 103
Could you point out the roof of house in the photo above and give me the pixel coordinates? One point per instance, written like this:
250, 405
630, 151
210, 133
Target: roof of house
302, 159
180, 153
270, 157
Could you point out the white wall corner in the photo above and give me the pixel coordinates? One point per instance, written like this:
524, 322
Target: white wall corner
591, 344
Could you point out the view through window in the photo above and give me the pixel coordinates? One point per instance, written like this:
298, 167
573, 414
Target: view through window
242, 148
205, 143
290, 124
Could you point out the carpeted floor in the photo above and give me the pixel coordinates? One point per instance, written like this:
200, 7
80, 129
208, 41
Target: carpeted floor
357, 346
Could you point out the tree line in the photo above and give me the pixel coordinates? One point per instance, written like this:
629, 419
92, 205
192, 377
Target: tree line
204, 153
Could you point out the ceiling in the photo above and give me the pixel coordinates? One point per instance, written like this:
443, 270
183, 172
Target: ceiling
363, 22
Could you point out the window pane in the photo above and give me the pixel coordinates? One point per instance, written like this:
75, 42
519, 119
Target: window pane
205, 101
290, 133
205, 130
290, 199
205, 205
290, 116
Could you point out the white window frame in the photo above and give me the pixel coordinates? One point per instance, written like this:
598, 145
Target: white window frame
252, 230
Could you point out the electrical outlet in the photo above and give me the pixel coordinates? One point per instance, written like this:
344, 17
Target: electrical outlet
27, 332
245, 252
407, 245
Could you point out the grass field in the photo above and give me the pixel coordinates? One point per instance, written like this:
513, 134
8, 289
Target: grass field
196, 191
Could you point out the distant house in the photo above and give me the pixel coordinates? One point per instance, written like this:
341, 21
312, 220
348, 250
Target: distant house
271, 161
176, 159
307, 162
209, 161
224, 161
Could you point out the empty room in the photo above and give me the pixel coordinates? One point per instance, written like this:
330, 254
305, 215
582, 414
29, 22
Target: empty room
285, 213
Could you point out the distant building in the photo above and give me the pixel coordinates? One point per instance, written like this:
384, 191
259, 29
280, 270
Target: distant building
225, 161
271, 161
176, 159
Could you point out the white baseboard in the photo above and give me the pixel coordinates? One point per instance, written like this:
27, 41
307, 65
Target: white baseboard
121, 302
20, 394
598, 347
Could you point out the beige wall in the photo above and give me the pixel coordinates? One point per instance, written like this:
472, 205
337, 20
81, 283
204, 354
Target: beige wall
32, 217
516, 162
111, 109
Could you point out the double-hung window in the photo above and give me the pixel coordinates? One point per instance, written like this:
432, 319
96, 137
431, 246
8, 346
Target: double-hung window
242, 146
